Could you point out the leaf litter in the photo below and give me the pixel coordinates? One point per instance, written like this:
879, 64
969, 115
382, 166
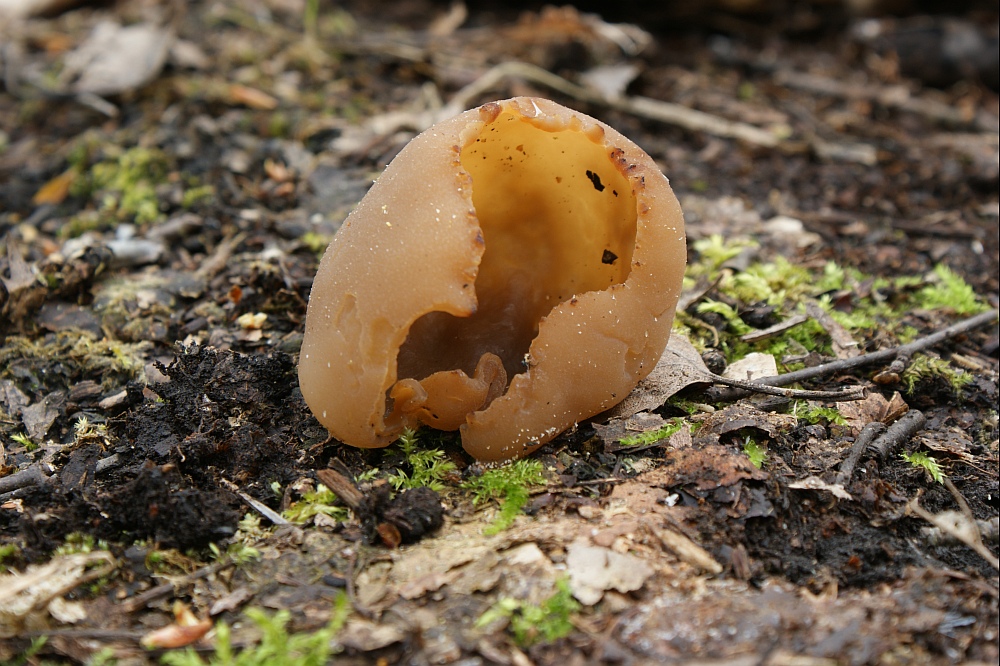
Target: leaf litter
692, 551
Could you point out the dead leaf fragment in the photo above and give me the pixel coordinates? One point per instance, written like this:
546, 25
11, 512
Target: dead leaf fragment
708, 467
21, 594
742, 415
39, 417
365, 636
688, 551
116, 59
56, 190
175, 635
816, 483
593, 570
751, 367
679, 367
875, 407
24, 292
255, 99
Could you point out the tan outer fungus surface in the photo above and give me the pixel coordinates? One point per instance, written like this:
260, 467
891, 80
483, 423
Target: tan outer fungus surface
514, 270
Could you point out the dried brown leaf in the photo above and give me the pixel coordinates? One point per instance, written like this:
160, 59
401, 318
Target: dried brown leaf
708, 467
255, 99
679, 367
742, 415
55, 190
594, 570
116, 58
875, 407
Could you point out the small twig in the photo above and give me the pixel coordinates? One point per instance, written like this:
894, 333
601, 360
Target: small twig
33, 476
959, 498
989, 530
342, 486
153, 594
844, 364
261, 508
899, 432
644, 107
843, 344
841, 395
865, 437
948, 523
218, 259
780, 327
597, 482
353, 571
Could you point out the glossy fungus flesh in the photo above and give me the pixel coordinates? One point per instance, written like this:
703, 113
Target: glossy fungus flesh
514, 270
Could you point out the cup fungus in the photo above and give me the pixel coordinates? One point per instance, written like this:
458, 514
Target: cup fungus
515, 269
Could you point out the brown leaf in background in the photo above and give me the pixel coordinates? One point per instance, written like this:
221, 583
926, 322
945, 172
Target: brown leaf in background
56, 189
875, 407
115, 59
24, 292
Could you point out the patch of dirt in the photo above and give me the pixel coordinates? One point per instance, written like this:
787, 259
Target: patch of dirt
159, 245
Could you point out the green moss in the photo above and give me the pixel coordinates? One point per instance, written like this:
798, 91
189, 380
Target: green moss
196, 194
124, 185
276, 647
238, 553
316, 242
757, 453
278, 124
316, 502
77, 542
727, 312
74, 354
714, 251
510, 485
923, 367
530, 624
950, 293
8, 551
921, 459
24, 440
428, 467
815, 414
653, 436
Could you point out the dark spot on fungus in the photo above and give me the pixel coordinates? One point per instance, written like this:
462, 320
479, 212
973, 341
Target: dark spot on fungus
596, 180
609, 257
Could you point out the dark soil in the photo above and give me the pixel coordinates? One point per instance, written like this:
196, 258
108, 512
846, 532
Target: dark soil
200, 404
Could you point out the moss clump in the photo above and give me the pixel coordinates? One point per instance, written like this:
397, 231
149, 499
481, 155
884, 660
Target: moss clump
510, 485
757, 453
950, 292
929, 464
816, 414
124, 185
316, 502
924, 367
530, 624
276, 645
428, 467
71, 355
652, 436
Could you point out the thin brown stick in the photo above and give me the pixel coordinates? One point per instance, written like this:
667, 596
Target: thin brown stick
865, 437
842, 395
160, 591
844, 364
33, 476
780, 327
908, 425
